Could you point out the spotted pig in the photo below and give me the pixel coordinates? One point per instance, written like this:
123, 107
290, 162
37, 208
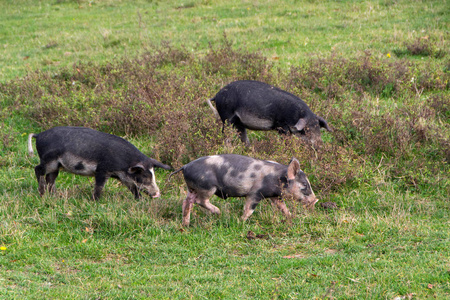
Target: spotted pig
230, 175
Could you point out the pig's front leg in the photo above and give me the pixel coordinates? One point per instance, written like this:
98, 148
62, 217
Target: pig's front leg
100, 180
281, 206
132, 187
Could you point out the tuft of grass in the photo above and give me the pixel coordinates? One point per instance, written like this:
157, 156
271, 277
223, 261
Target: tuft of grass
421, 47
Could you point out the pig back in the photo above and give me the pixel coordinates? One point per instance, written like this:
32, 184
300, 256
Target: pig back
88, 144
261, 100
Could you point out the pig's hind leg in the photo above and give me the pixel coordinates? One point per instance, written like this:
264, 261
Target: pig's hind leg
187, 207
50, 180
40, 176
250, 205
206, 204
202, 199
46, 173
240, 127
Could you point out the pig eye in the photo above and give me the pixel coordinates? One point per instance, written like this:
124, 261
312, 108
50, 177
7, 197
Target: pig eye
306, 190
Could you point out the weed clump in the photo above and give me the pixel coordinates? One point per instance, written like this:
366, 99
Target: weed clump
236, 63
335, 77
422, 46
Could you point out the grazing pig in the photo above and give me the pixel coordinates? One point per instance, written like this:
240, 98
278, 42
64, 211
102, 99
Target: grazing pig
259, 106
231, 175
89, 152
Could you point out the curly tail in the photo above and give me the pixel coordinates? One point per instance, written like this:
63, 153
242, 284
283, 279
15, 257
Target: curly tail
216, 113
30, 145
170, 175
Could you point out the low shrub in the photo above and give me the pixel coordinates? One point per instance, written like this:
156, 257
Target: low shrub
422, 46
162, 94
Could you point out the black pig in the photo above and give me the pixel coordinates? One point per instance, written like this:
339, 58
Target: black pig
260, 106
89, 152
231, 175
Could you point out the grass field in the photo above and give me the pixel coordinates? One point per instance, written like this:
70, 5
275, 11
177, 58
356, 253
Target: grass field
377, 71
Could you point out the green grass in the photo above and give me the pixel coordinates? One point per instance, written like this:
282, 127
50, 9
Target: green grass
51, 34
390, 236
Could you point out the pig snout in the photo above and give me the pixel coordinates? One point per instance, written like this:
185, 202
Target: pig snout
306, 201
312, 136
309, 203
143, 180
150, 190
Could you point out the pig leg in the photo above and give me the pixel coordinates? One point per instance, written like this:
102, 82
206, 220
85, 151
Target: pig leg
125, 181
50, 180
187, 207
100, 180
46, 173
250, 205
135, 191
240, 128
40, 176
281, 206
244, 137
283, 130
242, 133
206, 204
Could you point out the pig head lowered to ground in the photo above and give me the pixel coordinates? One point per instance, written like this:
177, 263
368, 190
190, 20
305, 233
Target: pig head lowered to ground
231, 175
260, 106
88, 152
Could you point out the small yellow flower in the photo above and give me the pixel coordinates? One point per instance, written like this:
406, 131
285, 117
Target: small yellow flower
388, 55
3, 248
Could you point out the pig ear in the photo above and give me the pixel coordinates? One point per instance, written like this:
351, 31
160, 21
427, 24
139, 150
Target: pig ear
293, 168
160, 164
323, 123
301, 124
139, 168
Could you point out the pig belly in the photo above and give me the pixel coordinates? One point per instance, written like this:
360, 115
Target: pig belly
252, 121
77, 165
226, 192
236, 187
